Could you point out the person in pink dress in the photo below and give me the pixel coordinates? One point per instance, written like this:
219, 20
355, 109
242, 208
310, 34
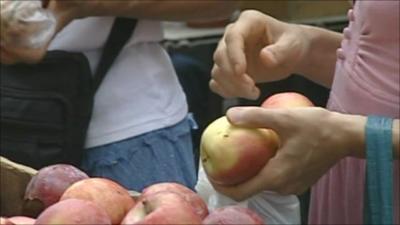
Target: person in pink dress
322, 148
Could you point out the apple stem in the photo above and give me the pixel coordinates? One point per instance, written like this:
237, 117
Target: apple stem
147, 208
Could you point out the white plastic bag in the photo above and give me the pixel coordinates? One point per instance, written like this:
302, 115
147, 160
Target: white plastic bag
25, 23
272, 207
275, 208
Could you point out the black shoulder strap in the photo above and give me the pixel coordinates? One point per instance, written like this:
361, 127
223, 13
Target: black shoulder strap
121, 31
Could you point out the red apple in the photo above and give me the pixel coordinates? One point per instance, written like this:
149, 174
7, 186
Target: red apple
105, 193
5, 221
73, 211
231, 155
287, 100
198, 204
233, 215
162, 208
50, 182
22, 220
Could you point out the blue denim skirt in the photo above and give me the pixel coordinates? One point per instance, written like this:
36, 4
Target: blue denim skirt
164, 155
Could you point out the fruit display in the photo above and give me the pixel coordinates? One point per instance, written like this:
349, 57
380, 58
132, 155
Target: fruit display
231, 154
72, 197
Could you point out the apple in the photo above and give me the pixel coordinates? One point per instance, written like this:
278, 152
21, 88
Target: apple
73, 211
22, 220
286, 100
105, 193
5, 221
162, 207
231, 154
198, 204
233, 215
50, 182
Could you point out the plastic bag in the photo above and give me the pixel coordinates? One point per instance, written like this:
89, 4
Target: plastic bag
272, 207
25, 23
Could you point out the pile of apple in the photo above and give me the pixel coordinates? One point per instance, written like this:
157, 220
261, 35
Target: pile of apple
231, 155
68, 196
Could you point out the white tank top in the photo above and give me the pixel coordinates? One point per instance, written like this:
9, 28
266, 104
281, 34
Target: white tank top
141, 91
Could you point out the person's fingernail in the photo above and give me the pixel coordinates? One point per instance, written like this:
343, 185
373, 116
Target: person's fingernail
255, 93
238, 68
270, 55
235, 114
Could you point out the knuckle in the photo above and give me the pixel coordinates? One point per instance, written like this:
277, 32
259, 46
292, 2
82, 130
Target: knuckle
215, 72
229, 27
230, 37
218, 54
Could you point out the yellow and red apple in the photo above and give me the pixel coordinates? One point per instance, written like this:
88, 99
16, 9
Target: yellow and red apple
232, 154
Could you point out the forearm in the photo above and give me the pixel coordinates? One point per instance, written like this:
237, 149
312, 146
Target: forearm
319, 63
160, 10
350, 133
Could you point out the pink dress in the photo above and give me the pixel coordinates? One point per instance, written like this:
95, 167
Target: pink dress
367, 80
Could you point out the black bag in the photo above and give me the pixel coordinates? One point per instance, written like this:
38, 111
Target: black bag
46, 107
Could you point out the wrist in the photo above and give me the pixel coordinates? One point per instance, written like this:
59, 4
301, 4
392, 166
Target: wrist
350, 133
307, 36
319, 58
63, 16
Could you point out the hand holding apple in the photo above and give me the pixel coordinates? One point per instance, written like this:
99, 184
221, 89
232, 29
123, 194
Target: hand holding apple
233, 154
312, 140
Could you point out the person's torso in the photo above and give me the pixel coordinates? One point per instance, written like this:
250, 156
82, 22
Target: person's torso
367, 73
367, 81
140, 93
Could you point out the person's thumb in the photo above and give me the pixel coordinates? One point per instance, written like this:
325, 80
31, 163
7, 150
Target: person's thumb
277, 53
255, 117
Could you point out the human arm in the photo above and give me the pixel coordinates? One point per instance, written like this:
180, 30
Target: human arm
66, 11
149, 9
258, 48
312, 140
